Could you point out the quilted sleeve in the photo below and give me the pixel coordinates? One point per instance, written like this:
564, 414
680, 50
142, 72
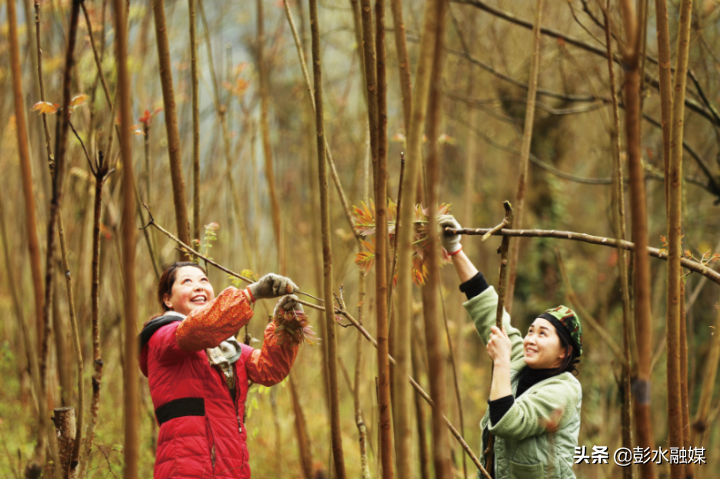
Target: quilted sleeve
271, 364
483, 309
221, 318
544, 409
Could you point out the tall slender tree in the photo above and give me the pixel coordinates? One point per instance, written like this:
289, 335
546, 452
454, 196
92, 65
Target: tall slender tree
171, 125
525, 152
673, 183
334, 394
434, 17
33, 243
130, 374
641, 273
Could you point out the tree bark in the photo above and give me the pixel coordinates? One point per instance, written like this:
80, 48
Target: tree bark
130, 374
171, 125
334, 393
195, 118
525, 152
100, 177
673, 182
403, 61
431, 290
665, 79
619, 221
303, 437
64, 419
403, 425
375, 94
26, 169
641, 274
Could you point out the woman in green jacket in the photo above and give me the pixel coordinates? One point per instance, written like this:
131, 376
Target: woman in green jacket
534, 405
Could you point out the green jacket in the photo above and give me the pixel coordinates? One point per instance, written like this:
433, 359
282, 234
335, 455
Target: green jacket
524, 448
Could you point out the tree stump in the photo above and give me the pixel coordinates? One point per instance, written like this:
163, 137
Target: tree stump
64, 420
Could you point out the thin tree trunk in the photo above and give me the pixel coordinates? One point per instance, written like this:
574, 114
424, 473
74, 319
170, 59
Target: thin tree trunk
641, 274
171, 125
301, 431
359, 418
525, 152
63, 366
358, 27
100, 177
403, 61
687, 442
78, 349
424, 454
665, 78
456, 381
331, 162
196, 119
436, 352
619, 220
221, 111
130, 375
374, 91
489, 452
265, 127
404, 250
64, 420
334, 393
673, 182
26, 171
62, 127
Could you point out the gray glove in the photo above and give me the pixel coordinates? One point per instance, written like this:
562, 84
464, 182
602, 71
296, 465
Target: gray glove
271, 286
451, 243
287, 303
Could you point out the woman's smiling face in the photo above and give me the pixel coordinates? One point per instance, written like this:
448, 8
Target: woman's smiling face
542, 346
191, 290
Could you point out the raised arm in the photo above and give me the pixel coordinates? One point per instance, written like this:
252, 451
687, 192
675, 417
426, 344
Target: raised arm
271, 364
221, 318
482, 298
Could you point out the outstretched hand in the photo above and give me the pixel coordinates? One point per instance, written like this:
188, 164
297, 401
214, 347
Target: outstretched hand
499, 346
451, 243
287, 303
271, 286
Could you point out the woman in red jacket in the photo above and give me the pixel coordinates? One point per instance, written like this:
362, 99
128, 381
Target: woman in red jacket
198, 372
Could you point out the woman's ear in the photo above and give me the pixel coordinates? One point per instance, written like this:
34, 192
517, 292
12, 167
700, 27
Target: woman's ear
166, 300
565, 352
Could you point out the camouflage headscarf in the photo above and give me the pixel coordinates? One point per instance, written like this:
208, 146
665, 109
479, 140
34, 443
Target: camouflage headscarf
565, 318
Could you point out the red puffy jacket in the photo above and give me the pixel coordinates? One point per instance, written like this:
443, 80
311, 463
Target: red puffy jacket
202, 431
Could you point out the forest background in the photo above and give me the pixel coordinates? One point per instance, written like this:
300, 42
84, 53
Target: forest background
484, 80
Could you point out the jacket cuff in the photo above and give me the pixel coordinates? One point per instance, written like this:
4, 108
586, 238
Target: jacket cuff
248, 295
474, 286
499, 407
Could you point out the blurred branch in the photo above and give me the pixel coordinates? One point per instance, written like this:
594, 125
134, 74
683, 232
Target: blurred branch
649, 173
694, 266
710, 115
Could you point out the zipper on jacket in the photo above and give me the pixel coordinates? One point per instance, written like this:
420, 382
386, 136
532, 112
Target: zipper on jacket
237, 393
212, 447
233, 400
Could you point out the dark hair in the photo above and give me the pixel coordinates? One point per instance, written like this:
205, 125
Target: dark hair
570, 360
167, 280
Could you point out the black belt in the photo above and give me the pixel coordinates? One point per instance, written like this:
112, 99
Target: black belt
180, 408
